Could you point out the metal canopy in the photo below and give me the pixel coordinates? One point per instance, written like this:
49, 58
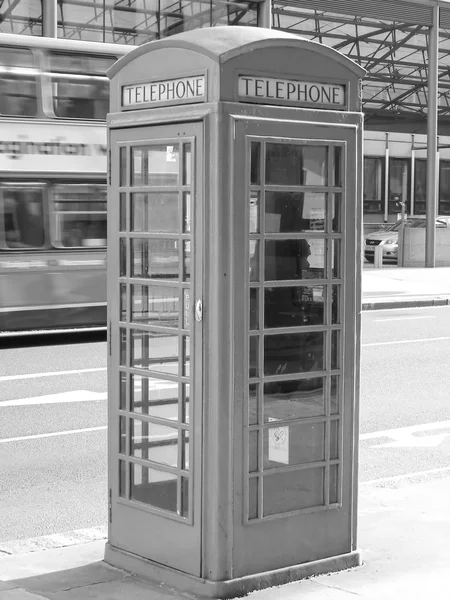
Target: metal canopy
394, 54
388, 38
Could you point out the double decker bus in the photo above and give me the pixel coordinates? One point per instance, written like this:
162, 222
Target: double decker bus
54, 96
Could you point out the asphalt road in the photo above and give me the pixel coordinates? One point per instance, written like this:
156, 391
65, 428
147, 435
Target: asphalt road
52, 483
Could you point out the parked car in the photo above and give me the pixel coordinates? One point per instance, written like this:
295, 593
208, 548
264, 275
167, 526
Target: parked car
387, 238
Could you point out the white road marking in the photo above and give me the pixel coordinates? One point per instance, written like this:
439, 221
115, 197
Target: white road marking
50, 374
409, 441
393, 433
403, 436
394, 478
419, 340
53, 434
64, 397
404, 318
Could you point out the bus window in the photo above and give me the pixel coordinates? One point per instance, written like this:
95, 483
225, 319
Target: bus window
79, 85
79, 215
18, 96
23, 218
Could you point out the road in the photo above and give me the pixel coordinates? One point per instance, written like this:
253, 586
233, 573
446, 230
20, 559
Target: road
51, 483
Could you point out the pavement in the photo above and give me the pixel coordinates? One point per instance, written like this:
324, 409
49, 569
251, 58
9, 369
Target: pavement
394, 287
403, 521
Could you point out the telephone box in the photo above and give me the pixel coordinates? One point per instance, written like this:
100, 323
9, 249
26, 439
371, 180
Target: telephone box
234, 309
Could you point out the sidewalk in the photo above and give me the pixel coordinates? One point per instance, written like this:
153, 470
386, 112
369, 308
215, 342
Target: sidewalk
393, 287
403, 532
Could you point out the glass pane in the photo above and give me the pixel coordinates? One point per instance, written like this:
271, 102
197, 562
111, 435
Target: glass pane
154, 397
186, 308
253, 404
122, 478
123, 346
155, 259
186, 343
334, 440
420, 185
293, 353
23, 217
79, 215
155, 305
122, 435
155, 212
154, 351
337, 167
294, 306
336, 352
294, 444
283, 492
123, 166
334, 484
186, 388
254, 356
253, 451
337, 212
186, 260
255, 163
185, 450
373, 191
187, 164
254, 260
186, 212
254, 308
122, 257
293, 164
123, 302
80, 97
294, 259
336, 258
122, 391
399, 184
123, 212
334, 395
155, 165
294, 399
156, 488
253, 498
295, 211
157, 443
254, 212
184, 497
17, 80
336, 304
444, 190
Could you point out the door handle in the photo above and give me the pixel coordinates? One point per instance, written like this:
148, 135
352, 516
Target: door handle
199, 311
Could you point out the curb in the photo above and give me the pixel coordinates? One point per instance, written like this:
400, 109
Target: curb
407, 303
53, 541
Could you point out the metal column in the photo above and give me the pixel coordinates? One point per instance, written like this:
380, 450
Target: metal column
432, 164
49, 18
265, 14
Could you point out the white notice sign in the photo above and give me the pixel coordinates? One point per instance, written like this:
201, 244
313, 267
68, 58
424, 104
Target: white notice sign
272, 90
279, 444
183, 90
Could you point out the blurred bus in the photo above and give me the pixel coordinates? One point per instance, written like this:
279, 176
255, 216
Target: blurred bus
54, 96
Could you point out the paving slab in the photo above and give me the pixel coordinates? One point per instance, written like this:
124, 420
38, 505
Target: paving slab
20, 594
91, 574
